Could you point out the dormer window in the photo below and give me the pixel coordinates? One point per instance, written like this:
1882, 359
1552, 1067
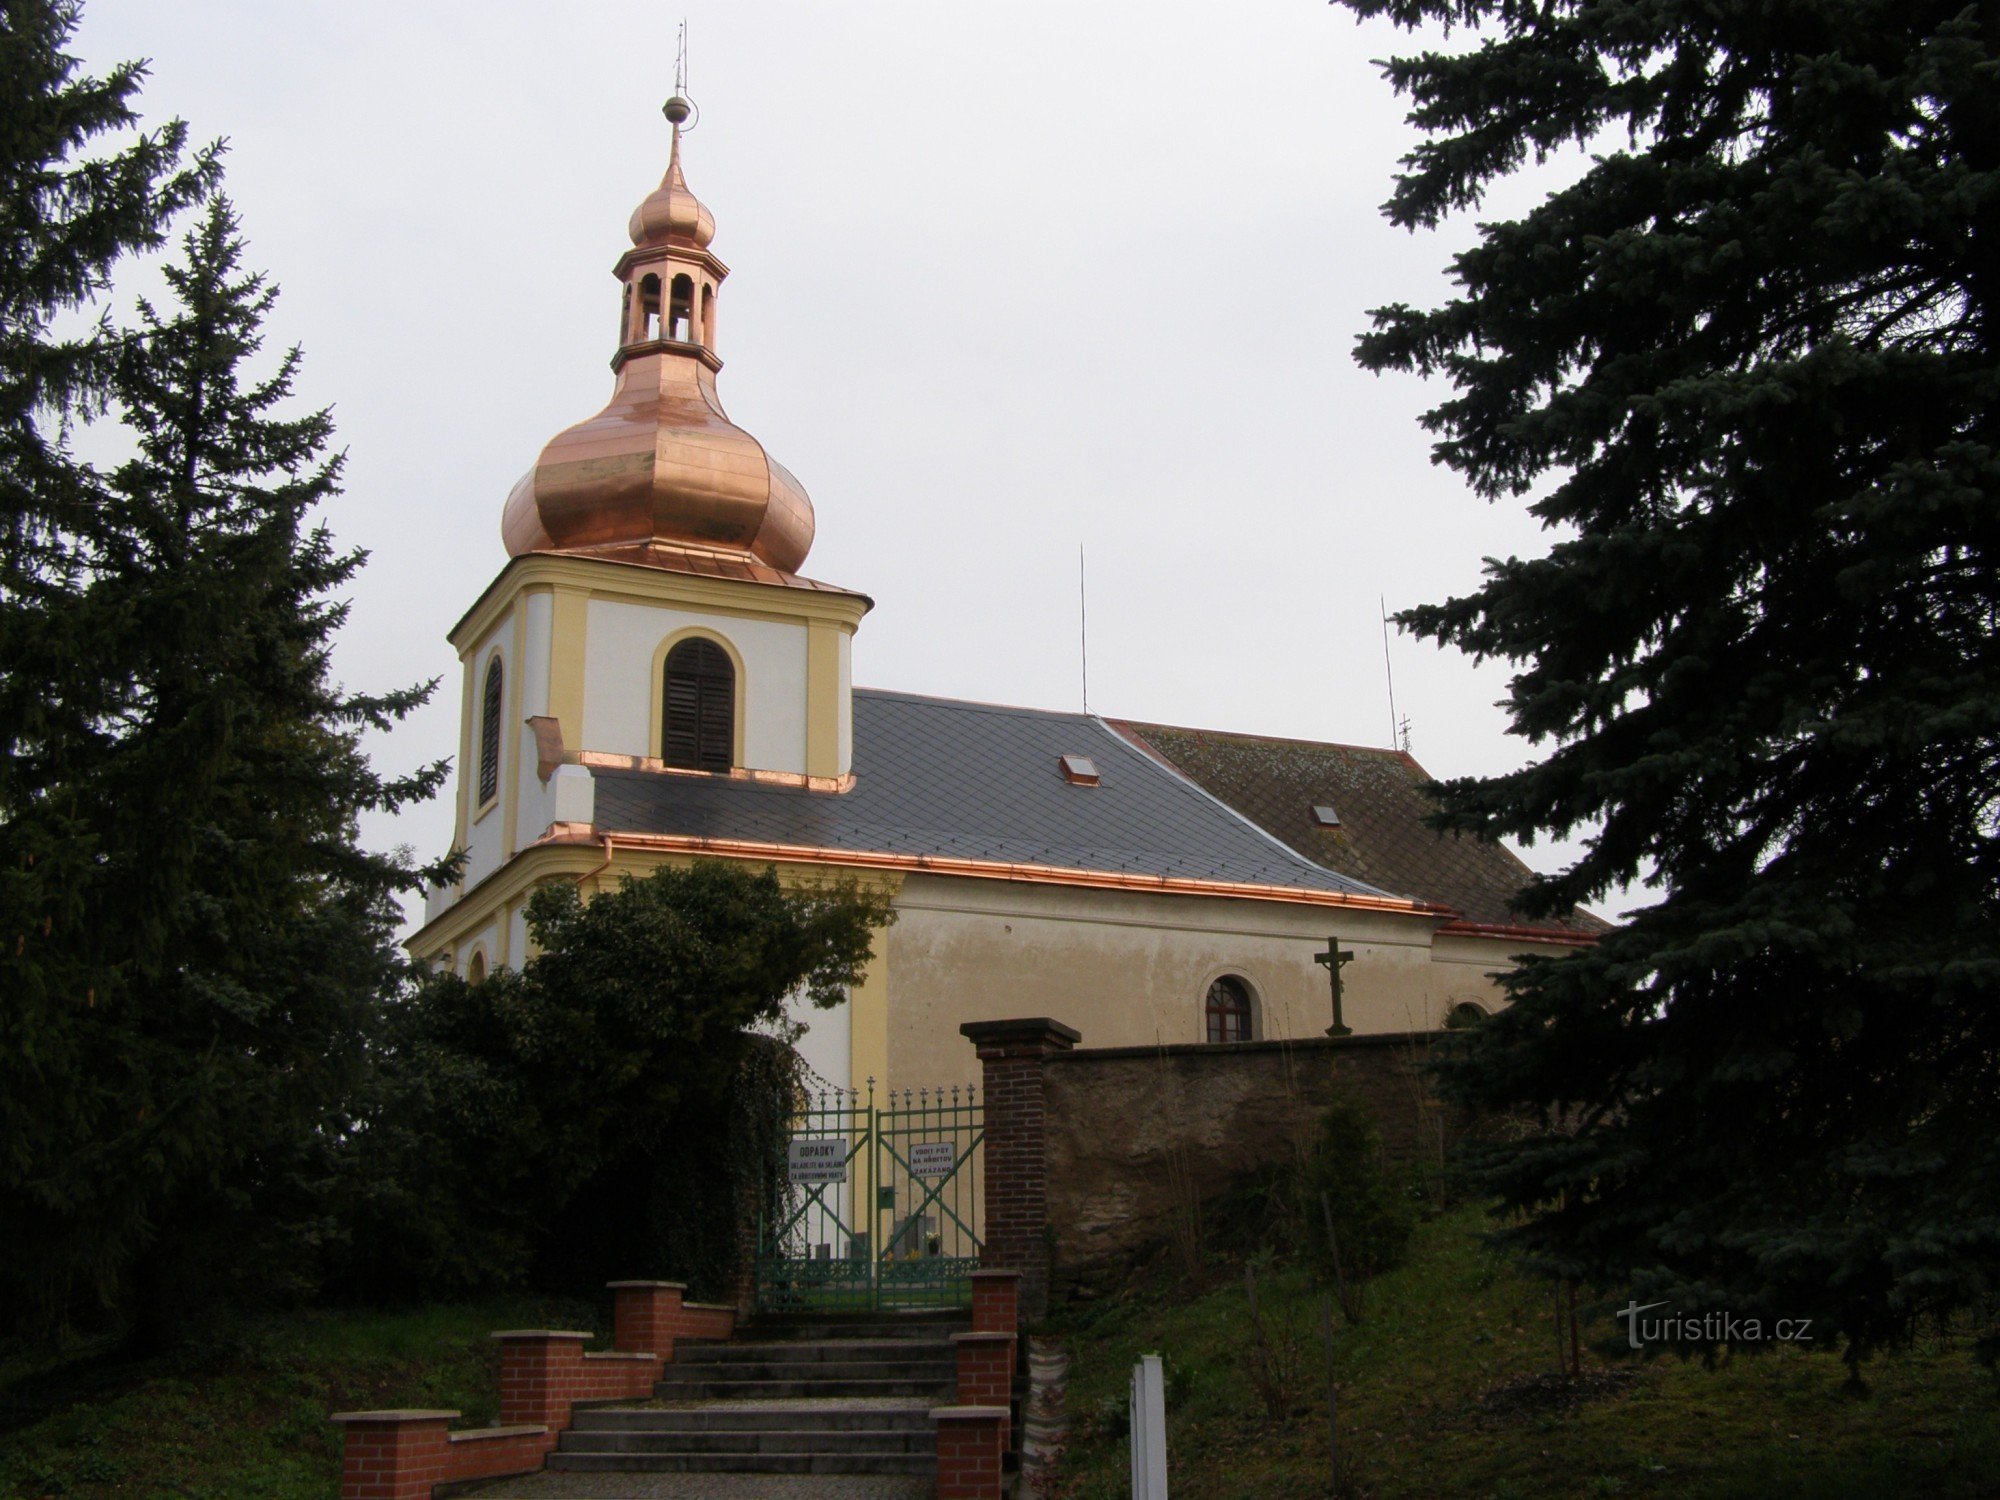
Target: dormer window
1080, 770
698, 731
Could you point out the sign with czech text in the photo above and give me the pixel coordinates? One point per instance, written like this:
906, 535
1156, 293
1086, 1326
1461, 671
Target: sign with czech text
818, 1158
933, 1158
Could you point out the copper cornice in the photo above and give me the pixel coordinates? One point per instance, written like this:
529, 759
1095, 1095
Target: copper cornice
654, 254
699, 352
606, 760
638, 569
861, 859
1523, 932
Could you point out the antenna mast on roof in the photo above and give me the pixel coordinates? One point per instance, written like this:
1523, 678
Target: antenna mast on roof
681, 62
1083, 624
1399, 731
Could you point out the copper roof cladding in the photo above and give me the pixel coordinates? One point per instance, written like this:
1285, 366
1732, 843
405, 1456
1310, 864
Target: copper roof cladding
1381, 837
662, 474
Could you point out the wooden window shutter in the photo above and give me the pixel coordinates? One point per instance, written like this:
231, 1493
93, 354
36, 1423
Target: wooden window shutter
699, 728
489, 736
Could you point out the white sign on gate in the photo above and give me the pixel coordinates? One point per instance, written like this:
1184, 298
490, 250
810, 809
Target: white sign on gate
818, 1158
933, 1158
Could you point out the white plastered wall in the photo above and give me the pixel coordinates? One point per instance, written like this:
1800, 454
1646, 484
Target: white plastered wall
486, 941
621, 643
827, 1045
485, 828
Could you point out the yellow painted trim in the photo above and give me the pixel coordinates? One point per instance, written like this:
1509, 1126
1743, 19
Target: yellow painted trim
516, 880
569, 633
868, 1019
657, 725
631, 582
504, 932
512, 728
823, 699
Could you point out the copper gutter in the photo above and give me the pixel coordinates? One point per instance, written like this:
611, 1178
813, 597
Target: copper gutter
1526, 934
671, 843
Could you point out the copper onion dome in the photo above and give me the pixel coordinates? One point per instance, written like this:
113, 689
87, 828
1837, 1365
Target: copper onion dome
661, 475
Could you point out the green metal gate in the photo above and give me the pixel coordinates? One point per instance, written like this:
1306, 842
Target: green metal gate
882, 1210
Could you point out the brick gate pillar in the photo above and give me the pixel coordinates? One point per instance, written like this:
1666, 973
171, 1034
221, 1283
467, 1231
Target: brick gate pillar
1012, 1054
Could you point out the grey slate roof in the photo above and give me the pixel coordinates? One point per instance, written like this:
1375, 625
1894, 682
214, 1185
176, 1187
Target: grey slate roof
940, 777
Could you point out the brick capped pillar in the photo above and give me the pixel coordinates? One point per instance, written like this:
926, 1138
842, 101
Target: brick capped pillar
969, 1448
393, 1455
996, 1300
539, 1374
1012, 1054
645, 1316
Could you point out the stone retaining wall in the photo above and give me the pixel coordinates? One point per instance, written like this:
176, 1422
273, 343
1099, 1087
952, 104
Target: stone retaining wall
1092, 1153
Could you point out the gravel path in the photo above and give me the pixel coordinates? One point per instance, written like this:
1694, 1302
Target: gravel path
711, 1487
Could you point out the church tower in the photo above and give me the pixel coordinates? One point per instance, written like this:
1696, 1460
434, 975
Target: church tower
651, 615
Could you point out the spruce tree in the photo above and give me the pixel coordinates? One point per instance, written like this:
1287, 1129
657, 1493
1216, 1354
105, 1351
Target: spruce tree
188, 1004
1745, 363
256, 934
80, 191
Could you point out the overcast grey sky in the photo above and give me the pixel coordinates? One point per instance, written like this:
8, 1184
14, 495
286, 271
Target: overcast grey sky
1005, 280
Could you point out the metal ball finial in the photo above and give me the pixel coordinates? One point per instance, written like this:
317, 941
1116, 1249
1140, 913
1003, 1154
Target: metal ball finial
677, 110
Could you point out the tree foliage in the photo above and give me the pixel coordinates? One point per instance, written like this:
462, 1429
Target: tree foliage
195, 944
618, 1105
1745, 361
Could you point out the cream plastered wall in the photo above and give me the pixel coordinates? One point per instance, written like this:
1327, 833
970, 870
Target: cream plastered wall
621, 643
844, 732
1126, 969
1464, 969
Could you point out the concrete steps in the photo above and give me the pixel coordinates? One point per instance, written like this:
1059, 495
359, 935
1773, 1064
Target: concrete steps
804, 1396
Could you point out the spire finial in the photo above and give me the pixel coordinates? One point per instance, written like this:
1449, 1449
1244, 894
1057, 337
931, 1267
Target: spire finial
680, 109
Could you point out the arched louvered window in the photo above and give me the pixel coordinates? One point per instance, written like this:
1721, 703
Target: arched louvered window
699, 731
1228, 1010
489, 735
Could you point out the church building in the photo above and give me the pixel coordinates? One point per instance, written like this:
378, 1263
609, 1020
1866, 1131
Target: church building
652, 679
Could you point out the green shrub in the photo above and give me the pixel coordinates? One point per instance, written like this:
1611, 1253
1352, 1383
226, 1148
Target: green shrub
1346, 1179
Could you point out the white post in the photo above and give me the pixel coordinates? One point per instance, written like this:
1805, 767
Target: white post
1149, 1429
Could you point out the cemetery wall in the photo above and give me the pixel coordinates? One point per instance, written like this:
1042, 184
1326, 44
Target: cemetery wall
1138, 1136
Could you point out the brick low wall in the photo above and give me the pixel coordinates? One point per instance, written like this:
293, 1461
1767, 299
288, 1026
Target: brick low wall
1096, 1149
410, 1454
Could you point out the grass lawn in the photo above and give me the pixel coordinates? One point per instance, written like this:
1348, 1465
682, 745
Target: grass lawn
244, 1414
1440, 1397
